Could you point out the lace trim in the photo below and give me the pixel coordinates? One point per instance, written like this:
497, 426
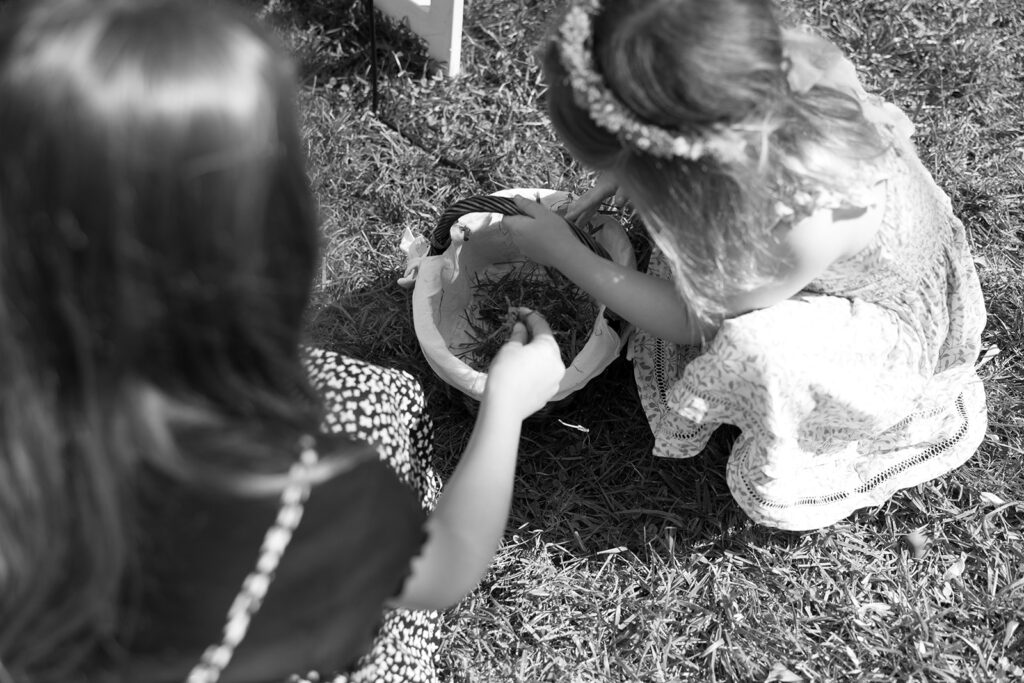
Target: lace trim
885, 475
663, 384
692, 435
254, 589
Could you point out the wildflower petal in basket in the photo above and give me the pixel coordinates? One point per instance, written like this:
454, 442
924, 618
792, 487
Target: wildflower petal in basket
449, 283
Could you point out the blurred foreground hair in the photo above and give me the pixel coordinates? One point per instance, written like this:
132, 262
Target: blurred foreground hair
158, 240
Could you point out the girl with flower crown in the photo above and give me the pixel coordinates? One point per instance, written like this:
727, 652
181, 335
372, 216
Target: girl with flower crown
810, 283
186, 493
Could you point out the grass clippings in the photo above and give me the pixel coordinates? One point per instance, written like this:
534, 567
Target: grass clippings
619, 567
496, 294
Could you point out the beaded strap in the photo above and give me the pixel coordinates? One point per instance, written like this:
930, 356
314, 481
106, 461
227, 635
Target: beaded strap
249, 599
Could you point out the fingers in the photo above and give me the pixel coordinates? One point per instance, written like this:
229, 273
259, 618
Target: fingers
587, 204
605, 186
528, 369
519, 333
531, 208
530, 211
580, 212
541, 335
514, 223
534, 322
529, 325
607, 183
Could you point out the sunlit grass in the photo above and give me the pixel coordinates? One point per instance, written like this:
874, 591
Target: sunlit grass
618, 567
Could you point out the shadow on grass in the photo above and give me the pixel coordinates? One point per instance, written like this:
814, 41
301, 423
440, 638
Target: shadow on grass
586, 479
587, 484
373, 323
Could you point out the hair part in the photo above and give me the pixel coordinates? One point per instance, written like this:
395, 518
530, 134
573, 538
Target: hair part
686, 66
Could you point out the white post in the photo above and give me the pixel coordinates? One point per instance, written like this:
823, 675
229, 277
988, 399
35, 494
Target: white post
439, 22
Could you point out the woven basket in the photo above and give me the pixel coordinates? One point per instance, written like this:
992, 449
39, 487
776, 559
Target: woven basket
468, 242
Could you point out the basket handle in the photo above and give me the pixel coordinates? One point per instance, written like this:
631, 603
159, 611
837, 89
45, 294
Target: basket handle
440, 237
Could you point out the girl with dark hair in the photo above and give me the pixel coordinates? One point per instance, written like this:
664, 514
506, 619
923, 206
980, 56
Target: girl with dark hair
186, 494
810, 283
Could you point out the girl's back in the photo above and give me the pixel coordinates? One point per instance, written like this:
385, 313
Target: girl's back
823, 297
918, 263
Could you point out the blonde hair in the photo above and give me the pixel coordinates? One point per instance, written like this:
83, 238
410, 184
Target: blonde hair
702, 70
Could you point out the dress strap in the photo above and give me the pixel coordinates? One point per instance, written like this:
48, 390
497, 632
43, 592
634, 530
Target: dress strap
249, 599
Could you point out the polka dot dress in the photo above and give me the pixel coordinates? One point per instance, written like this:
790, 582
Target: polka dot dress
385, 408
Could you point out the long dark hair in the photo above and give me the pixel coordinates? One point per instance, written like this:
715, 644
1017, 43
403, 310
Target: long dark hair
158, 241
686, 66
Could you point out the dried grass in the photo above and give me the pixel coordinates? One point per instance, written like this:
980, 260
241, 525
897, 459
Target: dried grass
502, 288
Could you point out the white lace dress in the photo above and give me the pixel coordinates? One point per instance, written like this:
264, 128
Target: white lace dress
862, 385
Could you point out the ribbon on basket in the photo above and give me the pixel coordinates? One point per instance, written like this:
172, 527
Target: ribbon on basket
440, 237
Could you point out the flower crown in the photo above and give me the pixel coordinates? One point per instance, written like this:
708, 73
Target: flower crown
591, 93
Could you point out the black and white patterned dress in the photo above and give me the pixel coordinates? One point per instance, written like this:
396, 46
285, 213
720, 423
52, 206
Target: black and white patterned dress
385, 408
233, 587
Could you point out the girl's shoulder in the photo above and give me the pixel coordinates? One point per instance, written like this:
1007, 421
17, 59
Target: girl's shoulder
811, 245
840, 230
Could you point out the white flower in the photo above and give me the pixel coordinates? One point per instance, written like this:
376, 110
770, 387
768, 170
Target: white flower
592, 95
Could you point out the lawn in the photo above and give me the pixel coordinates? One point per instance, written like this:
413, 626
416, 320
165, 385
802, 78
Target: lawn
619, 567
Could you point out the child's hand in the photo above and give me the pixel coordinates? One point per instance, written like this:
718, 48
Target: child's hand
586, 205
526, 371
541, 235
